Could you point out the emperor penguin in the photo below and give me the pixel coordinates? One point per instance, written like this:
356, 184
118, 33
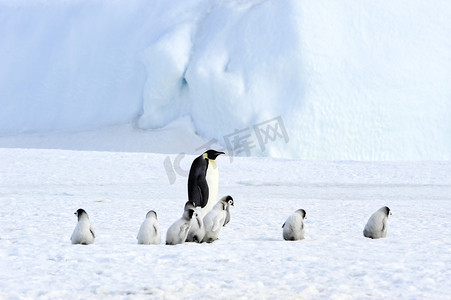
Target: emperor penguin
83, 232
214, 220
203, 181
376, 227
229, 200
178, 231
293, 228
149, 232
197, 231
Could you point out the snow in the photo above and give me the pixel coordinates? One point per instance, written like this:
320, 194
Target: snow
41, 189
335, 107
351, 80
177, 137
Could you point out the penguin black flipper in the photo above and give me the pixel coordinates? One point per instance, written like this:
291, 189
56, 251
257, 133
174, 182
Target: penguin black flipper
92, 232
197, 182
203, 186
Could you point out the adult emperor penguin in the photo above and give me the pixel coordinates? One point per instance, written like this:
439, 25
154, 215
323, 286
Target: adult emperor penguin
293, 228
214, 221
203, 181
376, 227
149, 232
197, 231
178, 231
83, 232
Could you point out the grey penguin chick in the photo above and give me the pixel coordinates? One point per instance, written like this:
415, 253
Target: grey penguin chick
376, 227
214, 220
178, 231
149, 232
293, 228
197, 231
83, 232
230, 202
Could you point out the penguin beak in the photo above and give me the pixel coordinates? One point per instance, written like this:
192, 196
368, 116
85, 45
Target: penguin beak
215, 155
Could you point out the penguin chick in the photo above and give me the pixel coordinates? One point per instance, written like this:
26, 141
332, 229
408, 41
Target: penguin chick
229, 201
376, 227
83, 232
149, 232
178, 231
214, 220
203, 181
293, 228
197, 231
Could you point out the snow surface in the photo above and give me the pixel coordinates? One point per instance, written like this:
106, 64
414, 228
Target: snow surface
41, 189
177, 137
352, 80
114, 99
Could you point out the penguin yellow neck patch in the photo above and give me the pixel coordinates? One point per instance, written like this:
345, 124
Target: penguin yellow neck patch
212, 163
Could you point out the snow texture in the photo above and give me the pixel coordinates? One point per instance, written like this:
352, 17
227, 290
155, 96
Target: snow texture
352, 80
41, 189
104, 105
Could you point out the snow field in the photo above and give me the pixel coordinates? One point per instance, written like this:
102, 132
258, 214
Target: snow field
40, 190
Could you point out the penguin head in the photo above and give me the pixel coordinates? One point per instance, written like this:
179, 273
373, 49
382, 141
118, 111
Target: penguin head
189, 205
302, 213
228, 199
80, 212
212, 154
151, 213
386, 210
189, 214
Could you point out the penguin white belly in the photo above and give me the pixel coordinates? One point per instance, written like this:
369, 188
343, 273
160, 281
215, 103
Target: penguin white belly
213, 222
212, 177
